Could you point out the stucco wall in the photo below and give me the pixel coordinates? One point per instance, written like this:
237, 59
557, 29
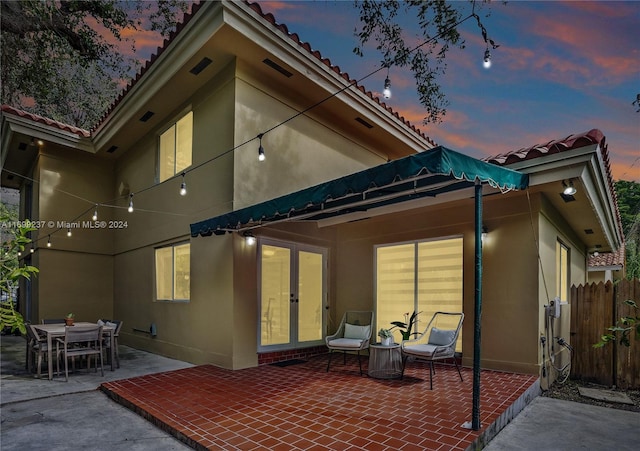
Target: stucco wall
301, 153
194, 331
512, 312
77, 271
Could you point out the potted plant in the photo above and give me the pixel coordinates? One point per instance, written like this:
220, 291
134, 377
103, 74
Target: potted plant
386, 336
68, 320
406, 326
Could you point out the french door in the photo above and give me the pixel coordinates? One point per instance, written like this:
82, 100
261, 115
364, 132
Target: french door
293, 295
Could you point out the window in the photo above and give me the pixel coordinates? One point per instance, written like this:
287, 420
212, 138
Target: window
562, 271
421, 276
173, 273
175, 148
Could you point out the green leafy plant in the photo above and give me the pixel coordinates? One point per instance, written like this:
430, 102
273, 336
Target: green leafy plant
70, 316
406, 326
622, 330
385, 333
11, 270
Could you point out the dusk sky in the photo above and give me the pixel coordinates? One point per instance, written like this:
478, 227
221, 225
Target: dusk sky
563, 67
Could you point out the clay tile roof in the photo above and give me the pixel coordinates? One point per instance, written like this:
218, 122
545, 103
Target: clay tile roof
284, 30
608, 258
46, 121
575, 141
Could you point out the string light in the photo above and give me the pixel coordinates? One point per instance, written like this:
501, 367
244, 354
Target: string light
95, 214
32, 250
386, 92
261, 156
487, 59
261, 153
183, 186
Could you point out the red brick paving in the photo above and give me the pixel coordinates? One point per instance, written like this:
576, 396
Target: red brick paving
302, 407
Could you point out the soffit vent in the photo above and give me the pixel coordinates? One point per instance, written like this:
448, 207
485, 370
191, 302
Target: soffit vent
204, 62
22, 146
363, 122
277, 67
146, 116
588, 231
112, 149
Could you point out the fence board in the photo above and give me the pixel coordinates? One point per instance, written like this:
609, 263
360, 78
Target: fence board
628, 358
592, 313
594, 308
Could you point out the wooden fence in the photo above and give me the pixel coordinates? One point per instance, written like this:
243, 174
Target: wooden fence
594, 308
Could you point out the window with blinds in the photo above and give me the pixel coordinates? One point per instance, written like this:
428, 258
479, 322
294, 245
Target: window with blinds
422, 276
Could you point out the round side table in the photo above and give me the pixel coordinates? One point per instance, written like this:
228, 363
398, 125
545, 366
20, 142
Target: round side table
385, 362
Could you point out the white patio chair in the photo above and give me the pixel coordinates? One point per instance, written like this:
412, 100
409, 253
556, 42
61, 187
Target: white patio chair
353, 335
437, 342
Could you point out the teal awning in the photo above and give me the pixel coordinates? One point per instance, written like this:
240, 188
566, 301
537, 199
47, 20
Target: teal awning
430, 173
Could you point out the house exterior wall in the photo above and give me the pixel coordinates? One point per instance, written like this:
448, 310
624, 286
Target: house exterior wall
552, 228
79, 269
221, 316
511, 306
301, 153
185, 330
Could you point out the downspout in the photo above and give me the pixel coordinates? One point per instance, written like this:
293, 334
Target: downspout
475, 411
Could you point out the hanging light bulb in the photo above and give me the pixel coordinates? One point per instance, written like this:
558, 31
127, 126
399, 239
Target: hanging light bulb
49, 241
95, 214
32, 250
487, 59
69, 232
261, 156
386, 93
183, 187
569, 190
130, 209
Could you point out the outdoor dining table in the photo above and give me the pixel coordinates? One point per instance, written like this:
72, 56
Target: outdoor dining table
54, 331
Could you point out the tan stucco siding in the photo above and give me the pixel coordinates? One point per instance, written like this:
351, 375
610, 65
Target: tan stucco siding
79, 283
301, 153
552, 229
76, 272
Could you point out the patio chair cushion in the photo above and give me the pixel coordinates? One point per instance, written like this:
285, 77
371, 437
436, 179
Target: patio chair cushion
441, 337
346, 343
425, 350
357, 332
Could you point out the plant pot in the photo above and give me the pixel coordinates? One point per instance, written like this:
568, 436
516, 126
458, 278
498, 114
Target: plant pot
386, 341
68, 321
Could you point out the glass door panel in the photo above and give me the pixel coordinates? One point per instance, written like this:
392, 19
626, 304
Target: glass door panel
275, 299
310, 296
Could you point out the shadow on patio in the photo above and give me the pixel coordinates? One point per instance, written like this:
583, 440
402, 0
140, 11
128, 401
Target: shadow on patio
303, 407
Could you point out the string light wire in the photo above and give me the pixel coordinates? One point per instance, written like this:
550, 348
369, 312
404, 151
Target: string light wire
261, 135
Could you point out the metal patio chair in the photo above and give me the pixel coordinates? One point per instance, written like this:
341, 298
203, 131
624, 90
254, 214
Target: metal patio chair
437, 342
353, 335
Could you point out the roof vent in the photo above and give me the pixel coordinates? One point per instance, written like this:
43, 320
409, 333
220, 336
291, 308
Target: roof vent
112, 149
588, 231
363, 122
146, 116
277, 67
204, 62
